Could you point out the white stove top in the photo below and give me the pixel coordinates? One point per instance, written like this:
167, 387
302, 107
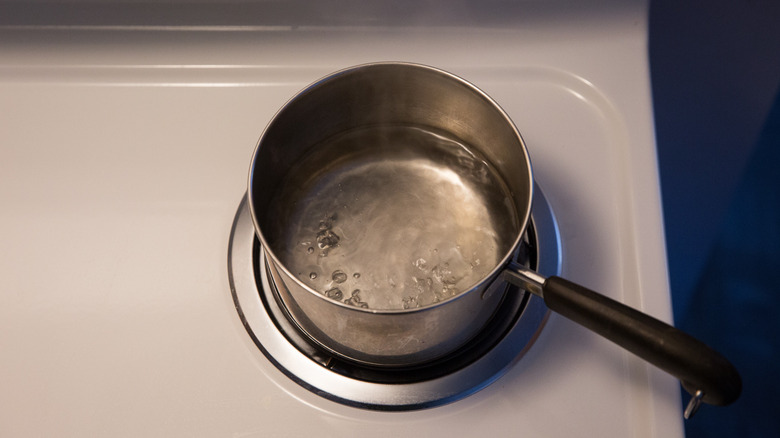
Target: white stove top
123, 157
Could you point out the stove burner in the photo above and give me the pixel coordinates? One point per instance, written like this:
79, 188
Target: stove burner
506, 315
481, 361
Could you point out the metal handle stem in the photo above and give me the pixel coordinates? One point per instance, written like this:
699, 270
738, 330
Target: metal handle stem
525, 278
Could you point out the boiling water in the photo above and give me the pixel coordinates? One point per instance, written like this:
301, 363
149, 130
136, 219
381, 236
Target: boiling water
392, 218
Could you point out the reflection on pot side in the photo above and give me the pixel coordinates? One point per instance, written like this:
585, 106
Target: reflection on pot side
400, 216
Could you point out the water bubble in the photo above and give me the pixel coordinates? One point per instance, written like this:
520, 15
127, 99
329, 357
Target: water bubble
313, 275
354, 300
309, 250
356, 275
334, 293
422, 283
443, 274
339, 276
410, 302
327, 239
327, 222
420, 264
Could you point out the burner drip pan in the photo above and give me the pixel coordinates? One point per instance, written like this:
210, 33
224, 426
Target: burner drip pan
481, 361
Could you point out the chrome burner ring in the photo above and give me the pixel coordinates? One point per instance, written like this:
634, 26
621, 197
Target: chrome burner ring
470, 369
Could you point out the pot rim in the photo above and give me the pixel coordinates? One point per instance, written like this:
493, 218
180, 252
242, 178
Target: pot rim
524, 214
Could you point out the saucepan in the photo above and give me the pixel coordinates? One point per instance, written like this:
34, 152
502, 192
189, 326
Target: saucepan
391, 198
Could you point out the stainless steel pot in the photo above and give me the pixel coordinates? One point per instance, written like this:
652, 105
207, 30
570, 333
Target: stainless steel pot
390, 198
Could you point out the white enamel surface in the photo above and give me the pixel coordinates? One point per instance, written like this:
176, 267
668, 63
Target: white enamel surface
124, 155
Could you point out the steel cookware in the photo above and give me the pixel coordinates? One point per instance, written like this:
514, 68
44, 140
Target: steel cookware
390, 200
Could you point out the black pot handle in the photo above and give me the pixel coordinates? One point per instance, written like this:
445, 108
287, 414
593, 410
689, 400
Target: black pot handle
703, 372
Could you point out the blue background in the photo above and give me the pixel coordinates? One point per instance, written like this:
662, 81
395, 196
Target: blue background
715, 69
